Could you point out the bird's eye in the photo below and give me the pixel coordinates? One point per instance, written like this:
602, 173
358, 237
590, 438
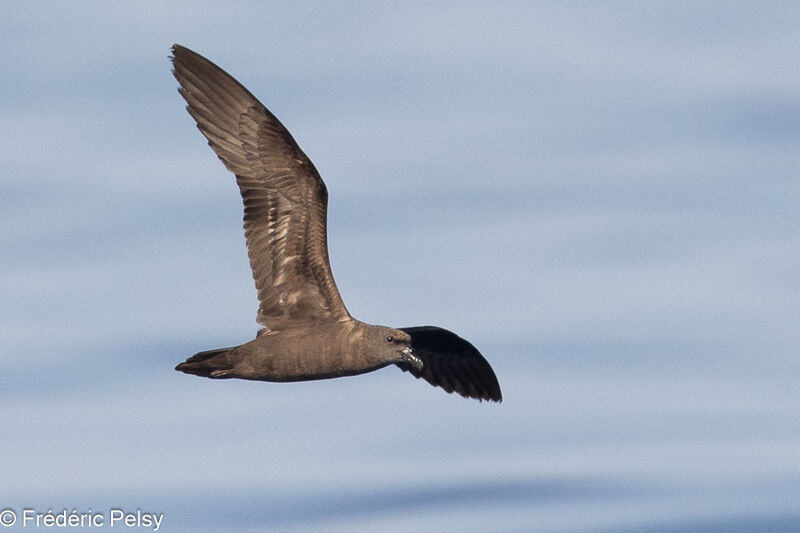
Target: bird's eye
390, 338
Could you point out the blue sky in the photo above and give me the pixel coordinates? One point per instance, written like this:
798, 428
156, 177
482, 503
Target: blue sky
603, 197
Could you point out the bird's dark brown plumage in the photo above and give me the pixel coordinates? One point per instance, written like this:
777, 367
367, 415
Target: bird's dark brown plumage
308, 332
285, 200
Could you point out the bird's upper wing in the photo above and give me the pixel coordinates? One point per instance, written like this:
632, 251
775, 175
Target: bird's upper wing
285, 200
452, 363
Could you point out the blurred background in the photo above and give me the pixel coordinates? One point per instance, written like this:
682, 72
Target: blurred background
602, 197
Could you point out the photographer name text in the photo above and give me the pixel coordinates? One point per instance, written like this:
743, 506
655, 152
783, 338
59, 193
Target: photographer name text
114, 518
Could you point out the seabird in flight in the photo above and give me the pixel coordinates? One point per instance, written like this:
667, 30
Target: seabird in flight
308, 333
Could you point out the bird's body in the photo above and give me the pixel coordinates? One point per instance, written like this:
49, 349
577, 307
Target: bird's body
308, 334
302, 353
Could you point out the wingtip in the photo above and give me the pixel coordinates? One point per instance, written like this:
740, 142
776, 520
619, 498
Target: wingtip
176, 51
495, 394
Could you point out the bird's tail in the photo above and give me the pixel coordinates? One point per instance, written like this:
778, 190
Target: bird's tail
209, 364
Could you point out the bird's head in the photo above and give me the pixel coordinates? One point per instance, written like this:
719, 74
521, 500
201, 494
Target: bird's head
396, 347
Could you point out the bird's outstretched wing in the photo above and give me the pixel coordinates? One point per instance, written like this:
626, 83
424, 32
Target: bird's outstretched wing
452, 363
285, 200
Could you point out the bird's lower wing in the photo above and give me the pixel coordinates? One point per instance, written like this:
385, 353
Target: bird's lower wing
452, 363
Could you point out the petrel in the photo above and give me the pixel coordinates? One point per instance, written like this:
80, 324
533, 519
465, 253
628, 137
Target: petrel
308, 333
